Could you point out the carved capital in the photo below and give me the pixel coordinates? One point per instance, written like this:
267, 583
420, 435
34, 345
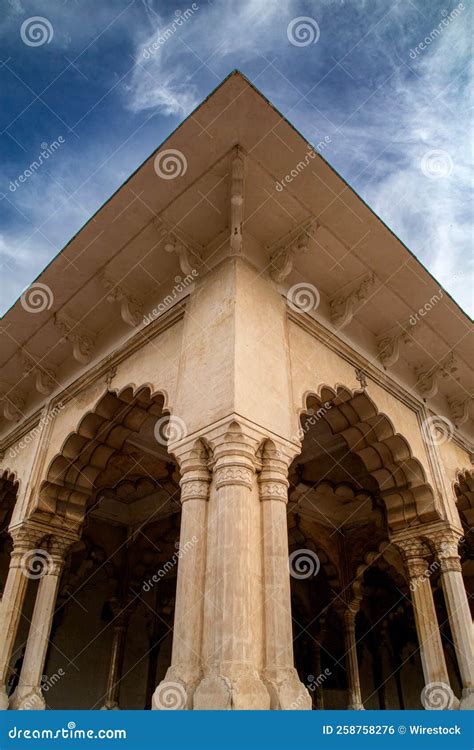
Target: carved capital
414, 553
272, 479
446, 543
81, 339
344, 306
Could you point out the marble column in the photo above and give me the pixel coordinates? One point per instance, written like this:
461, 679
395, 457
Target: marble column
177, 688
24, 541
352, 664
437, 688
28, 694
119, 633
233, 618
446, 544
280, 676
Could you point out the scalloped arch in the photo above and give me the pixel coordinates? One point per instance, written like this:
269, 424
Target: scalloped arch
86, 451
386, 454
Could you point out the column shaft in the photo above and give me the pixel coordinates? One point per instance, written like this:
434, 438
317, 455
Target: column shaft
352, 664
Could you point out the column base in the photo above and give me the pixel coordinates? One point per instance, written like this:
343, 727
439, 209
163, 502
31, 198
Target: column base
467, 700
110, 707
287, 692
27, 698
244, 692
4, 699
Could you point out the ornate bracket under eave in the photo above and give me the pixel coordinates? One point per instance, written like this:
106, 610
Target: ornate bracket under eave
284, 251
188, 253
389, 344
81, 339
428, 380
237, 193
131, 308
45, 378
344, 306
12, 404
459, 409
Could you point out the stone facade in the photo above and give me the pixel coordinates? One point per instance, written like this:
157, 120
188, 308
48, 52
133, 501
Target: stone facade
232, 475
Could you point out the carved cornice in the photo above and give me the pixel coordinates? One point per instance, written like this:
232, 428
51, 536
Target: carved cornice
344, 306
237, 189
428, 379
131, 308
81, 339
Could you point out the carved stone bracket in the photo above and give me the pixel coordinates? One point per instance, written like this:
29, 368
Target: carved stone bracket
237, 200
131, 308
13, 404
389, 344
189, 255
81, 339
459, 408
45, 378
284, 252
344, 306
428, 379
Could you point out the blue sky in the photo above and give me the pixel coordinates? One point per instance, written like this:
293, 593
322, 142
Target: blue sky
398, 116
